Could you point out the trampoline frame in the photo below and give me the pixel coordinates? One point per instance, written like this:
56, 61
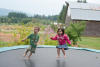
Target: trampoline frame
3, 49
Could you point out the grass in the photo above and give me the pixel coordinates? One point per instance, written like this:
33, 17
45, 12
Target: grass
90, 42
3, 44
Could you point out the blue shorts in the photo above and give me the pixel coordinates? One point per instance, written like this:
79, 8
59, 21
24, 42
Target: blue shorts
62, 46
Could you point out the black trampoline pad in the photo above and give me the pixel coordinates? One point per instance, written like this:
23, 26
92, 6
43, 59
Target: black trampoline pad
46, 57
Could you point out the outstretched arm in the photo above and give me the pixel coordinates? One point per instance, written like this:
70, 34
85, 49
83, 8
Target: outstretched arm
54, 38
67, 38
27, 37
24, 39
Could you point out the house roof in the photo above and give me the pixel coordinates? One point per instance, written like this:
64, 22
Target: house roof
84, 11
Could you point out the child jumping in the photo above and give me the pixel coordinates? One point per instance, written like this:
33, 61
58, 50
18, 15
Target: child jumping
62, 38
34, 37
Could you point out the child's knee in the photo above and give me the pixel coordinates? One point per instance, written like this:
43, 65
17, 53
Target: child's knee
62, 48
27, 50
58, 48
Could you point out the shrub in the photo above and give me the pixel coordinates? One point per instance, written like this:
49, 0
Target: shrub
75, 30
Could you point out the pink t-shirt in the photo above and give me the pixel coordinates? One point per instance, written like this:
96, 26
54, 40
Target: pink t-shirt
61, 39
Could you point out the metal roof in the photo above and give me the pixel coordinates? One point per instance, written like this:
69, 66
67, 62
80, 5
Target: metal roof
84, 11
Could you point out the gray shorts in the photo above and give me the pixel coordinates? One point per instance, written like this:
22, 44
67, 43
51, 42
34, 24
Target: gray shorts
31, 49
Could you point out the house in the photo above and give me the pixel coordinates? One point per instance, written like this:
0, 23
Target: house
85, 12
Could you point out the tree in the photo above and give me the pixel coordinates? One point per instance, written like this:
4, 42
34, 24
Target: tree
75, 30
82, 1
17, 15
62, 16
53, 17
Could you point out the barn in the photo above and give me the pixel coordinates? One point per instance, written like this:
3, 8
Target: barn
90, 13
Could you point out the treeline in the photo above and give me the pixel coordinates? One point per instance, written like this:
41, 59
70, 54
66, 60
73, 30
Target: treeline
18, 17
53, 18
15, 17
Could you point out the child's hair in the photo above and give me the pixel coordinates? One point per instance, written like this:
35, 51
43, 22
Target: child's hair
61, 30
37, 28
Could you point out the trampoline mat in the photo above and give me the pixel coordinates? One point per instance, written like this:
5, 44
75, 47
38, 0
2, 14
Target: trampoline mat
46, 57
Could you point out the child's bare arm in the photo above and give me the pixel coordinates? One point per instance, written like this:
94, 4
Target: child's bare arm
27, 37
54, 38
67, 39
24, 39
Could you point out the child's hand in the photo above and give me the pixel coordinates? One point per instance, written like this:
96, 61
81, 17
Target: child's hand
35, 43
71, 44
23, 40
52, 35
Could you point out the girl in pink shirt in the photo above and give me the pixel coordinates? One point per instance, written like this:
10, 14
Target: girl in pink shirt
62, 39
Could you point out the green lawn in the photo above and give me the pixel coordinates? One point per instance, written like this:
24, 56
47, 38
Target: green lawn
3, 44
90, 42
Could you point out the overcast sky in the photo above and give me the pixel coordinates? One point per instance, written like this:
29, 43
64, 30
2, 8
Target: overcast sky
43, 7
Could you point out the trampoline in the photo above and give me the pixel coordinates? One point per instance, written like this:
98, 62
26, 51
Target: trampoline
46, 57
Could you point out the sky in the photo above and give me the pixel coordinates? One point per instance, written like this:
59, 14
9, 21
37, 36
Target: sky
42, 7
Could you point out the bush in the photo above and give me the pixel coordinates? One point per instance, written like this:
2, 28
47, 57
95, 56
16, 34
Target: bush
75, 30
